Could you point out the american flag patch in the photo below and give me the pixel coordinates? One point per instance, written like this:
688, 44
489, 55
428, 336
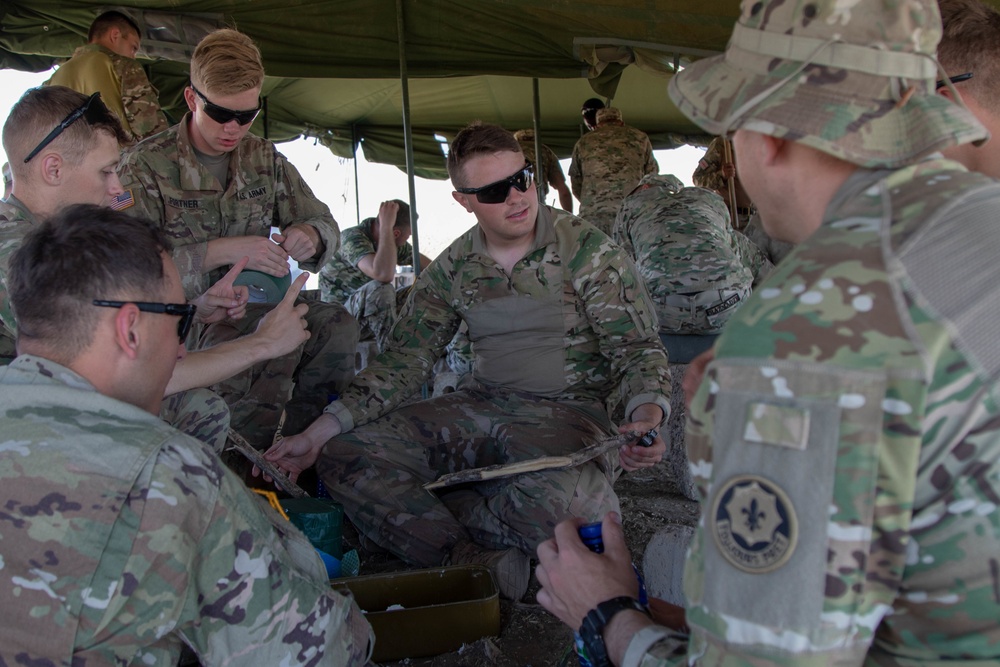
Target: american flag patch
123, 201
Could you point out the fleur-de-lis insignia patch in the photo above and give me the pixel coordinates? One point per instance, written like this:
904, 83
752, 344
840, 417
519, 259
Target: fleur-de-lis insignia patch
754, 524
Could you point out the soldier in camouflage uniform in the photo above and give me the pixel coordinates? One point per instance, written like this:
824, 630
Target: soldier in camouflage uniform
559, 323
549, 166
361, 278
846, 437
217, 191
107, 65
87, 152
607, 165
696, 267
125, 539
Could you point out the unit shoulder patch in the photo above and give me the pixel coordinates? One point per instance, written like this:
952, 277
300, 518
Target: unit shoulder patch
754, 524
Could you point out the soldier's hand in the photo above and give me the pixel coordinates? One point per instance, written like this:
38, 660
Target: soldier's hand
223, 299
564, 562
284, 327
296, 453
300, 241
387, 212
634, 456
265, 256
694, 374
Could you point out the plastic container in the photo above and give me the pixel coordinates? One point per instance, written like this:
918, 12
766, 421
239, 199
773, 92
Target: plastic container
433, 611
320, 519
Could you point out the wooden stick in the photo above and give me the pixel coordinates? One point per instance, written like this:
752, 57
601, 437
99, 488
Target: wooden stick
281, 480
533, 465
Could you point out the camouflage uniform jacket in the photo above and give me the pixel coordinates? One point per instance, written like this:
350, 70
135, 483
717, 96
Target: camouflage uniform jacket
846, 441
572, 322
15, 221
682, 243
341, 276
123, 85
124, 539
174, 190
607, 165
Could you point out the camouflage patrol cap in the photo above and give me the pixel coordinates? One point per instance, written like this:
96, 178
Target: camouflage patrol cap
854, 79
609, 114
668, 181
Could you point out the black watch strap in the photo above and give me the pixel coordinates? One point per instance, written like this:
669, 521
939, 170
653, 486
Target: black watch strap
592, 630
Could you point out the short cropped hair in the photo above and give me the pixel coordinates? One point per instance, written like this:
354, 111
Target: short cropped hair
971, 43
477, 139
82, 253
590, 109
108, 20
226, 62
40, 110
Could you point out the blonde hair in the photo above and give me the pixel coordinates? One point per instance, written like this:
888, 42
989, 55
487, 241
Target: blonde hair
226, 62
39, 111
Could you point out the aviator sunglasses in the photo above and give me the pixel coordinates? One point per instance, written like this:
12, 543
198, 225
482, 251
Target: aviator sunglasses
222, 115
183, 310
93, 111
496, 193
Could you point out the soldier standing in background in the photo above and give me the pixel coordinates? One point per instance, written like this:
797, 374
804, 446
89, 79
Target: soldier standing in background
107, 65
607, 165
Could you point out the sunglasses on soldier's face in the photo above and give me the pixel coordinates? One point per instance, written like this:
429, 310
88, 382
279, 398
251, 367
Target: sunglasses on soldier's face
93, 111
496, 193
222, 115
185, 311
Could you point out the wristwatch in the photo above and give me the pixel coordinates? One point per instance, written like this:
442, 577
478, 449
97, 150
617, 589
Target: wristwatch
592, 630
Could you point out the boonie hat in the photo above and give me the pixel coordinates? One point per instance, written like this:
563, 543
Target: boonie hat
854, 79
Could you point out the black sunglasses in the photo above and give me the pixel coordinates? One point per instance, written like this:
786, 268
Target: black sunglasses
222, 115
185, 311
958, 78
93, 110
496, 193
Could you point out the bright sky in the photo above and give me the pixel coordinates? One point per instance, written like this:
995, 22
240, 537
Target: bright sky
332, 178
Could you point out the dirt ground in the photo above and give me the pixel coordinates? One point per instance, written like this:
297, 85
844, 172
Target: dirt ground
530, 636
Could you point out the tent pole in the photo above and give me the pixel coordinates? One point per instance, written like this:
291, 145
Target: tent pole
354, 151
536, 111
408, 137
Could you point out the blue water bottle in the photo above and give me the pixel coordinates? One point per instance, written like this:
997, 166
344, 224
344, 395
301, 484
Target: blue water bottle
593, 539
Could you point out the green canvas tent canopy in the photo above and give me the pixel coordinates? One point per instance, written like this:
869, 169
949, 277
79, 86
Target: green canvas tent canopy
334, 66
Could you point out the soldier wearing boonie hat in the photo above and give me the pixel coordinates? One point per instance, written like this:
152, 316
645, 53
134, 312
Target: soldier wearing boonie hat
853, 79
846, 435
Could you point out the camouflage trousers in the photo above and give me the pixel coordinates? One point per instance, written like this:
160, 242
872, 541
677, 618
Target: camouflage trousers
199, 413
301, 383
378, 470
375, 305
699, 312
